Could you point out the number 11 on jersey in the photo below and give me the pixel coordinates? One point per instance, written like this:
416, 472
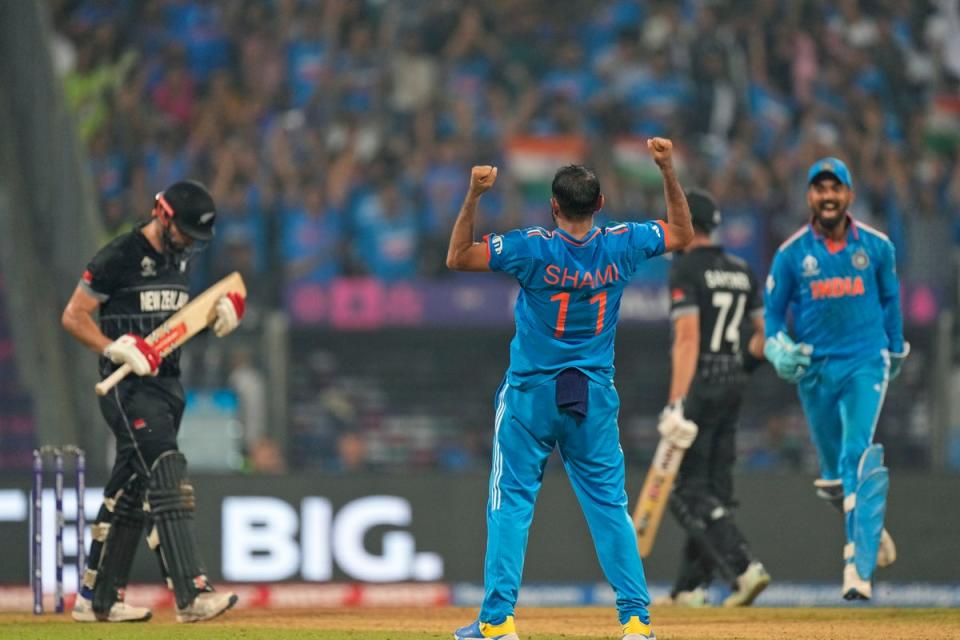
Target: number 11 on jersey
599, 299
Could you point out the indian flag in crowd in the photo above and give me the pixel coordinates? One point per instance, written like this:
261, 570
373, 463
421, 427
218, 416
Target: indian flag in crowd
534, 160
943, 124
633, 162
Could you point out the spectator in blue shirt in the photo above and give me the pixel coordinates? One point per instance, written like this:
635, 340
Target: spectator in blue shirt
312, 237
387, 233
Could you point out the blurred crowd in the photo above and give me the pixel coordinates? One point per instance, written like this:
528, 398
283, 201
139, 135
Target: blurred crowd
336, 135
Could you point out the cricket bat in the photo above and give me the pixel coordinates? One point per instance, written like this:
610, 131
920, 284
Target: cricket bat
656, 493
195, 316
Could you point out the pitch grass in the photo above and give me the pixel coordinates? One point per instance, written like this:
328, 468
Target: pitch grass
846, 623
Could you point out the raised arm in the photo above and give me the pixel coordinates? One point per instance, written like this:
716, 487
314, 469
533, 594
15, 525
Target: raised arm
463, 253
679, 227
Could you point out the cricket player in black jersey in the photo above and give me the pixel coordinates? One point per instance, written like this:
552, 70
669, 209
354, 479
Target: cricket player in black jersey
134, 283
712, 292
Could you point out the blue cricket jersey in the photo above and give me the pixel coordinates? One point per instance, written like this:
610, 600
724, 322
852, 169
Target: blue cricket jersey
844, 296
569, 302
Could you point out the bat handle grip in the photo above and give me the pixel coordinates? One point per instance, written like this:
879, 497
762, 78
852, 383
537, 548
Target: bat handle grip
112, 380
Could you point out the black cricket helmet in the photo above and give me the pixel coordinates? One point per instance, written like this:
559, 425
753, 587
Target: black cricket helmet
703, 209
190, 206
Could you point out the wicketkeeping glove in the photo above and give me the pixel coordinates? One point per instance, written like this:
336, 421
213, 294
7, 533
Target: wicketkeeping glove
789, 358
896, 360
674, 427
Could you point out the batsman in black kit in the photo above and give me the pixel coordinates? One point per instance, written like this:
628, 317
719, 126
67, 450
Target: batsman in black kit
134, 283
712, 293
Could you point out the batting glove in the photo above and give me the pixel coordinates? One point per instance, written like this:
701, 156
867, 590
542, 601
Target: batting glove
896, 360
133, 350
674, 427
789, 358
230, 310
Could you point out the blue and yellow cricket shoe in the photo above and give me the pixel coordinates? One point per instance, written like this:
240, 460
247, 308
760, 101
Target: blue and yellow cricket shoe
506, 630
636, 630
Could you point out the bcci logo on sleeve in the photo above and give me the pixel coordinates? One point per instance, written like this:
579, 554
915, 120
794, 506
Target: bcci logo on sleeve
497, 242
810, 266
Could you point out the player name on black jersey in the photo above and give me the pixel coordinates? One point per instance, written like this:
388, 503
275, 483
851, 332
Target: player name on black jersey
163, 300
716, 279
722, 290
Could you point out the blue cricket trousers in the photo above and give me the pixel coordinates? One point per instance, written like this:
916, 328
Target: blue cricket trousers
842, 398
527, 427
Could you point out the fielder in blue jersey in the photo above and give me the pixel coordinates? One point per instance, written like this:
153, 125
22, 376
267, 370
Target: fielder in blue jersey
558, 391
838, 278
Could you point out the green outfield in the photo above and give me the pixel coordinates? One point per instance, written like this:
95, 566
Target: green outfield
533, 624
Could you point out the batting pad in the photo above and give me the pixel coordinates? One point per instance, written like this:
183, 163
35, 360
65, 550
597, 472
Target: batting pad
119, 546
871, 507
171, 503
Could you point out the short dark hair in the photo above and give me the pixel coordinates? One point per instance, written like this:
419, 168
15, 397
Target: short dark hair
576, 190
704, 213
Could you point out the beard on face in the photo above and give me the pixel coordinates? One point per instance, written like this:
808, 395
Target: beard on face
170, 244
830, 207
175, 251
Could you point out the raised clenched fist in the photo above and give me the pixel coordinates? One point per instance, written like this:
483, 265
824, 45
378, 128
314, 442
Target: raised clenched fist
482, 178
662, 150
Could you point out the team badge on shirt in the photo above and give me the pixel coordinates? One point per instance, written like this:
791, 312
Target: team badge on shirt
148, 267
860, 259
497, 242
810, 266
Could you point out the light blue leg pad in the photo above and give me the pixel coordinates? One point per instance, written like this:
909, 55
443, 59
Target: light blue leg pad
873, 481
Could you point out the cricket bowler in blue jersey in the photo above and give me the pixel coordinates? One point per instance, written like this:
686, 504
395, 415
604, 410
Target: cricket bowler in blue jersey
838, 278
558, 391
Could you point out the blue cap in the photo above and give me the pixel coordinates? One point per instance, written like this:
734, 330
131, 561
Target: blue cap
833, 166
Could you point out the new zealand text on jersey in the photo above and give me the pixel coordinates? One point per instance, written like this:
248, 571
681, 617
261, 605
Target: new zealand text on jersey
163, 300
